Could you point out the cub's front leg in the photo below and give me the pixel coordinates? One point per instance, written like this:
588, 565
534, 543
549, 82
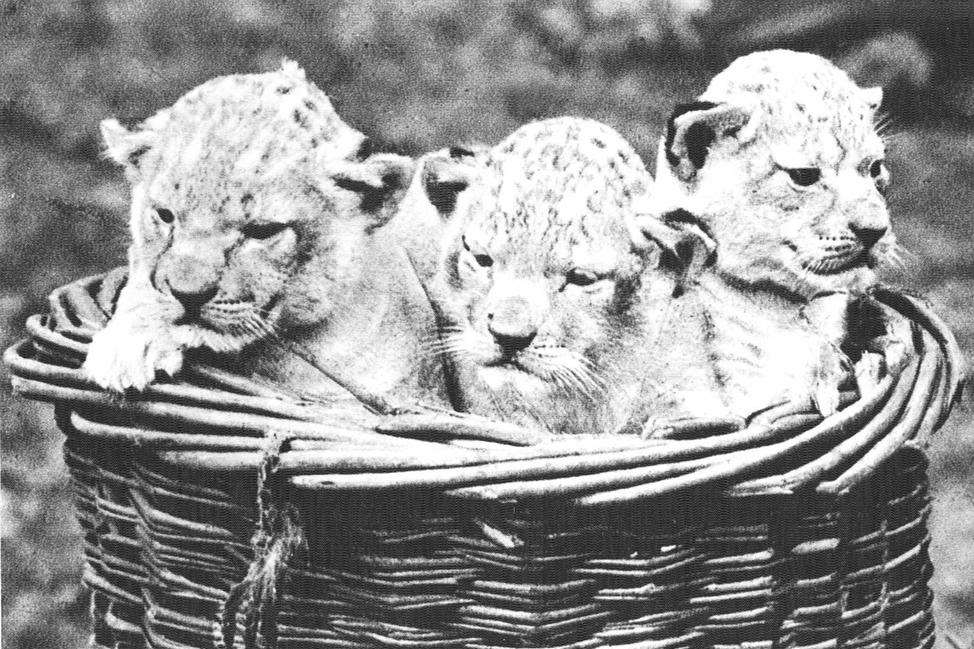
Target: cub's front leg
140, 340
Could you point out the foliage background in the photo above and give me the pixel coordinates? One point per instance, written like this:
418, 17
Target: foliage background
418, 76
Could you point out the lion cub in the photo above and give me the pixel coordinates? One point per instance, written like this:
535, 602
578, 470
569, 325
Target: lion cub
257, 212
550, 309
780, 163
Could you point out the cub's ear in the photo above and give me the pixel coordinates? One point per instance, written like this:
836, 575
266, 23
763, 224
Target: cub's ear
126, 147
445, 176
694, 127
873, 97
687, 246
380, 180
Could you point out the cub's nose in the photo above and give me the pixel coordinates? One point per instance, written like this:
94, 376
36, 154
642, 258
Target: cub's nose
193, 298
513, 343
511, 326
868, 236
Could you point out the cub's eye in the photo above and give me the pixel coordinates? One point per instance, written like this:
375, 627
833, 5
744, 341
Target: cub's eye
166, 216
580, 277
483, 259
877, 168
804, 176
263, 230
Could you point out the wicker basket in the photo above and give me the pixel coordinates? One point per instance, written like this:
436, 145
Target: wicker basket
219, 512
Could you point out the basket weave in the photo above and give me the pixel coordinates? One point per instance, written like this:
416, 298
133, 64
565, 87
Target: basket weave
219, 512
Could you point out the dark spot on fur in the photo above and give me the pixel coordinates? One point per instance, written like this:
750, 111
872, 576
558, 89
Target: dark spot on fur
457, 151
443, 195
684, 216
626, 290
310, 105
699, 137
314, 142
597, 142
176, 185
134, 157
682, 109
246, 198
301, 119
283, 90
453, 274
365, 149
686, 251
371, 197
392, 180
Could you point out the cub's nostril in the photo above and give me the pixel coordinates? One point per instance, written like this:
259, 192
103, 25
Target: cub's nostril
869, 236
193, 300
516, 343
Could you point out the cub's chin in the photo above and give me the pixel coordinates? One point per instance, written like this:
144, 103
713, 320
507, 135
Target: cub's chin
810, 276
198, 334
855, 278
503, 377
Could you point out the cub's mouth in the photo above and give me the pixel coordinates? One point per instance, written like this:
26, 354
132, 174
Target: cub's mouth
833, 265
835, 262
233, 320
508, 362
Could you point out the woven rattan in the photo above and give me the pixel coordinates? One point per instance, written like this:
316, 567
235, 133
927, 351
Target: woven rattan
223, 512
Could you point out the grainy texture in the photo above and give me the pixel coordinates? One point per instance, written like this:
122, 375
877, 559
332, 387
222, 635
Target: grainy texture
442, 72
197, 537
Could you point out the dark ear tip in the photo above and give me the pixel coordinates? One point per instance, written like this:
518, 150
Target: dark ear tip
354, 185
443, 195
365, 149
136, 155
693, 148
457, 151
394, 179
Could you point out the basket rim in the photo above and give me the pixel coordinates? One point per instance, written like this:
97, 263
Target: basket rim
213, 420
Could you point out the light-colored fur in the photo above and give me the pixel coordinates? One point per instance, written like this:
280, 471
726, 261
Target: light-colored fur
419, 225
788, 256
276, 219
538, 242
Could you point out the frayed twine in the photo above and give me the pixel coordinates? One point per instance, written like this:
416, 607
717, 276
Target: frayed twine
251, 604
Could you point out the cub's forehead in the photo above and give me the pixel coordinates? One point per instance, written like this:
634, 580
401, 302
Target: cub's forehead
243, 129
808, 109
559, 190
812, 132
283, 101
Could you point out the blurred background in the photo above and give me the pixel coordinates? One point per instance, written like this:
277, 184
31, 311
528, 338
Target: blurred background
417, 76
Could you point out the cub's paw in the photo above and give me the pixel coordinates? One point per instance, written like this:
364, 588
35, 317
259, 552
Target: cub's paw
130, 360
870, 369
827, 378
